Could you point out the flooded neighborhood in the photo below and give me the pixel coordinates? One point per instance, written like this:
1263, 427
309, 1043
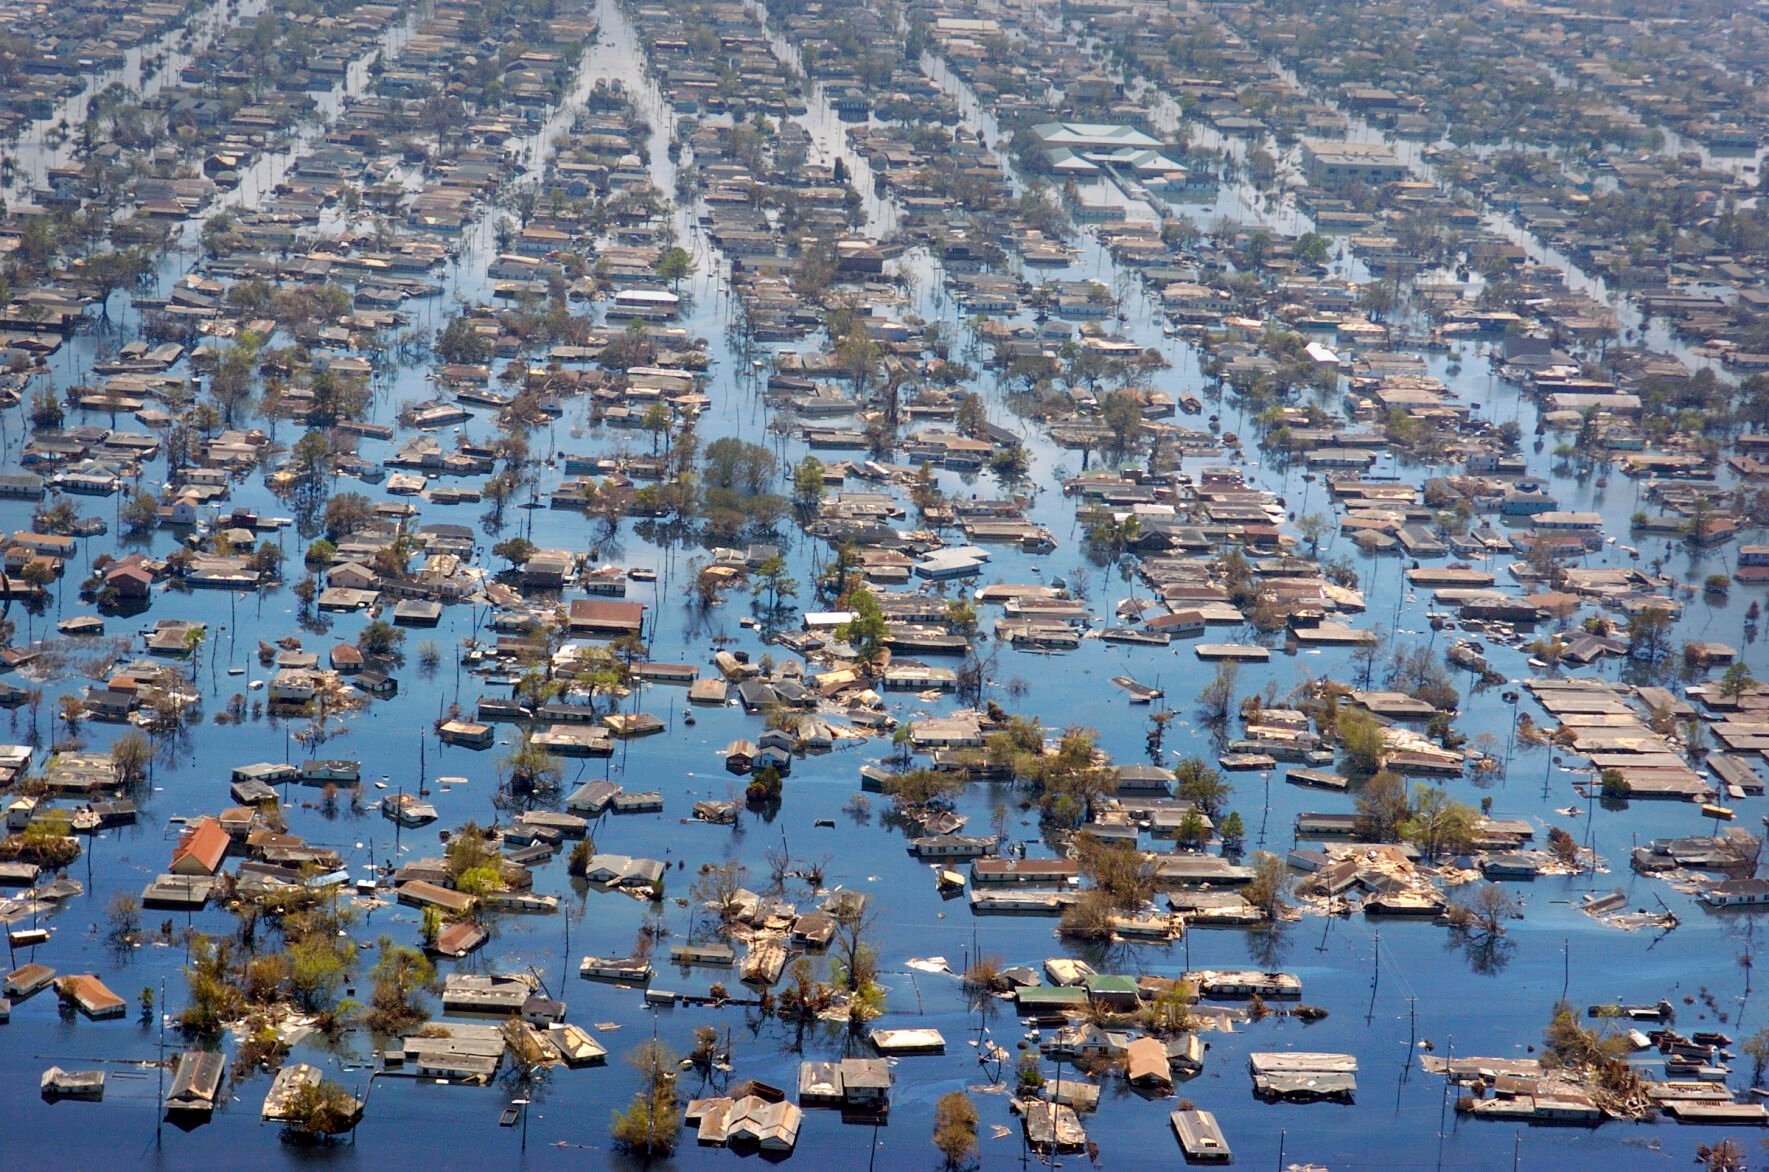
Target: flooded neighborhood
941, 584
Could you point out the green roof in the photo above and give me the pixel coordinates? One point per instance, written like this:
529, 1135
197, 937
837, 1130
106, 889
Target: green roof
1107, 983
1058, 996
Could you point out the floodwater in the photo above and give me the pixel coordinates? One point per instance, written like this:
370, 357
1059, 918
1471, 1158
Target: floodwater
1390, 988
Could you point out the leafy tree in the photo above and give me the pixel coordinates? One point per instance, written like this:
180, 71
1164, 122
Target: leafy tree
347, 513
738, 465
858, 356
141, 513
673, 264
1122, 412
867, 630
1602, 1059
37, 574
401, 976
772, 579
807, 487
855, 963
1438, 824
380, 638
321, 1110
1125, 874
532, 767
46, 841
1360, 736
649, 1126
1202, 786
1068, 780
919, 789
955, 1129
1736, 682
1312, 248
1217, 697
318, 968
231, 384
1028, 1078
765, 786
336, 397
46, 410
1757, 1047
56, 515
514, 550
971, 415
108, 272
1270, 885
215, 999
656, 420
461, 343
1649, 632
1382, 807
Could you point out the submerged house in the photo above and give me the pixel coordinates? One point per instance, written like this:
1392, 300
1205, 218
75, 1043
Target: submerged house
196, 1083
201, 849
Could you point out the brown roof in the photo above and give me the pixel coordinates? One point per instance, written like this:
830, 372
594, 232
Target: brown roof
418, 893
201, 849
460, 938
599, 613
90, 993
1146, 1061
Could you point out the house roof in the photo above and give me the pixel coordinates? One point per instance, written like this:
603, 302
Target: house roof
1092, 134
600, 612
1146, 1060
203, 845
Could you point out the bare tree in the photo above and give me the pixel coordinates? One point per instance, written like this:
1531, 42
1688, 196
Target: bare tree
717, 889
1486, 912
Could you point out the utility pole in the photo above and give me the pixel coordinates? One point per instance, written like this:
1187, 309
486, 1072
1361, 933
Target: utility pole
1412, 1032
160, 1067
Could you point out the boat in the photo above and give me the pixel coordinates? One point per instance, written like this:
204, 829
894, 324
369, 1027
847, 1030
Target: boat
1190, 404
408, 809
